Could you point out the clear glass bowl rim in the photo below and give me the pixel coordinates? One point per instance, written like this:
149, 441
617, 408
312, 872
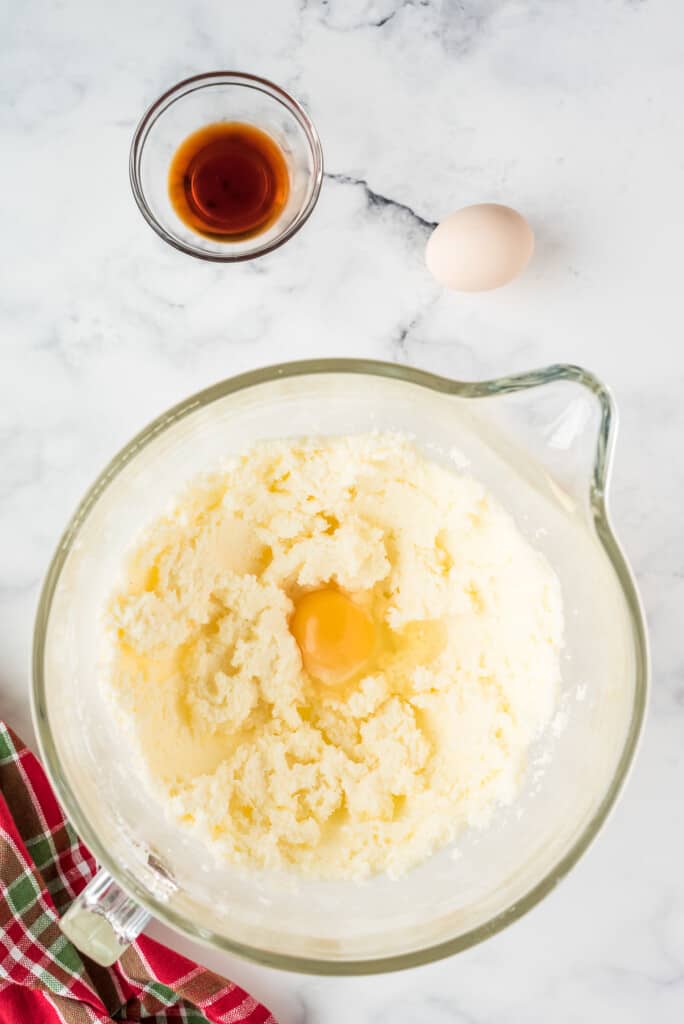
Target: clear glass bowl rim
476, 390
201, 81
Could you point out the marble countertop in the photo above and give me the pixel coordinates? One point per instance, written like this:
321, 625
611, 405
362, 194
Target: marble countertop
570, 111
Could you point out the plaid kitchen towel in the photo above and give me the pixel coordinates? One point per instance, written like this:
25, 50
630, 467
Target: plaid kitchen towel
43, 978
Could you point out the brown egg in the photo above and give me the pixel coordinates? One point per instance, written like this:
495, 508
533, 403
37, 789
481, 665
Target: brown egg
479, 248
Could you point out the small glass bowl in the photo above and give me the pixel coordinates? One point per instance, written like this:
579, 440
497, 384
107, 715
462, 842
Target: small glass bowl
206, 99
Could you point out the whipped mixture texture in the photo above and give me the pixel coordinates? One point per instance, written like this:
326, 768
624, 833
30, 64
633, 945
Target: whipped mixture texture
334, 654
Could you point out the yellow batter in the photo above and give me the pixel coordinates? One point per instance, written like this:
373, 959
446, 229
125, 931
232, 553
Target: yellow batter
335, 654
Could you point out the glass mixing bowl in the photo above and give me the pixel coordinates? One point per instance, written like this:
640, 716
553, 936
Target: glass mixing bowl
542, 443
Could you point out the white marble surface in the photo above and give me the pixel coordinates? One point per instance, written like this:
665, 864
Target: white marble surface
570, 110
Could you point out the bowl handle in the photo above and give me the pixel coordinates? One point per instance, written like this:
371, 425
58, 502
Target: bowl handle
103, 920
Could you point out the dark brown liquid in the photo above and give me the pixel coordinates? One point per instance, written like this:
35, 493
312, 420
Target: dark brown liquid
228, 181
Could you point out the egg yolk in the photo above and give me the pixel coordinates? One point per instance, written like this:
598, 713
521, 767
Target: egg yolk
335, 636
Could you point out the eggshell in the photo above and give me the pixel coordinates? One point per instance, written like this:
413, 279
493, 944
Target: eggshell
479, 247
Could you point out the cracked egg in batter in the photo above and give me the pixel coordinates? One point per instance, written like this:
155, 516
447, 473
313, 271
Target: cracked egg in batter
334, 654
